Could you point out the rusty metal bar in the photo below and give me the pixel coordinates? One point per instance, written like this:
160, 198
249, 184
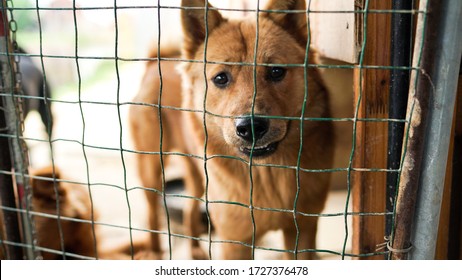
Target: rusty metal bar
445, 78
7, 193
399, 87
427, 58
10, 219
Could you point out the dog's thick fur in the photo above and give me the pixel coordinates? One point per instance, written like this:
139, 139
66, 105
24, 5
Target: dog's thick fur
145, 121
226, 144
74, 202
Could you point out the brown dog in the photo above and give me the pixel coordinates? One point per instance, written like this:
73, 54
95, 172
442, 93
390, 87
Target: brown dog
145, 121
241, 103
78, 236
254, 156
74, 234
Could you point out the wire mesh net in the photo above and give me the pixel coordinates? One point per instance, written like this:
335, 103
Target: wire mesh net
92, 58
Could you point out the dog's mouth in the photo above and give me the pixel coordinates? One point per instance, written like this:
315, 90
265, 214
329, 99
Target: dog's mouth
261, 151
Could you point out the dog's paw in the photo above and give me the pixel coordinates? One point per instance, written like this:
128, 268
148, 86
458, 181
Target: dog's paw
147, 255
199, 254
315, 256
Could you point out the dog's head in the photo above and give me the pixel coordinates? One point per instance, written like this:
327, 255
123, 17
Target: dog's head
73, 201
254, 86
46, 192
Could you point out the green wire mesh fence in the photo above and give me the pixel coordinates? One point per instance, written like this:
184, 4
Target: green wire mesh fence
91, 57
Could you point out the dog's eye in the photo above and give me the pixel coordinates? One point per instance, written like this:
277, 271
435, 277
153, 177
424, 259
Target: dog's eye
222, 80
276, 74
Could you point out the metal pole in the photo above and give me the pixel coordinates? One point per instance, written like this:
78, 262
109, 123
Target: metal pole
10, 218
13, 118
437, 41
445, 77
7, 193
399, 88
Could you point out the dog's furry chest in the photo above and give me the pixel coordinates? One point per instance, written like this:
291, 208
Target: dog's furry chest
233, 191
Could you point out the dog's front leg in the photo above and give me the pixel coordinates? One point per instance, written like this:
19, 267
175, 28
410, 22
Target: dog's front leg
234, 251
235, 231
150, 177
307, 227
153, 214
192, 214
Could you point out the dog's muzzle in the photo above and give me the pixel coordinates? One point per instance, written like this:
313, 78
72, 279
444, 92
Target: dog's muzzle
254, 132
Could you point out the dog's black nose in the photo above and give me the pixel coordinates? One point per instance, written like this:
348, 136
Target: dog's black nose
244, 128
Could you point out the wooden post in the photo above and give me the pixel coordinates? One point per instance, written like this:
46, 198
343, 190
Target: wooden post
372, 85
455, 239
443, 228
450, 230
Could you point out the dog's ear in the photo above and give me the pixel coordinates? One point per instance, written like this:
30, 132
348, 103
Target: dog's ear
294, 23
44, 188
194, 27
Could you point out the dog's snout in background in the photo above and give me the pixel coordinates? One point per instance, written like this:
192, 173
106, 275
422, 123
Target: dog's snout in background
245, 131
